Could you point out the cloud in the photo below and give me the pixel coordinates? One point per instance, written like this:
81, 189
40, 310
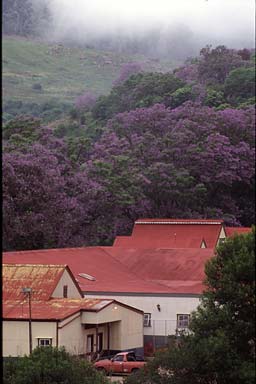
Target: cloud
221, 21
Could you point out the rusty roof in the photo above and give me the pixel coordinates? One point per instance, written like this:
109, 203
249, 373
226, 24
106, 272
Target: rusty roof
54, 309
127, 270
41, 278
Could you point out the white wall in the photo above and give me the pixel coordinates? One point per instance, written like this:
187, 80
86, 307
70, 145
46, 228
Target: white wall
65, 279
16, 336
126, 325
71, 335
164, 322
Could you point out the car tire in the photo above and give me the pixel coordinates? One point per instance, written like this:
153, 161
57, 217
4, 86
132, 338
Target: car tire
102, 370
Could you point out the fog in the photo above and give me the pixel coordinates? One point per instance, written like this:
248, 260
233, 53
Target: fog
157, 27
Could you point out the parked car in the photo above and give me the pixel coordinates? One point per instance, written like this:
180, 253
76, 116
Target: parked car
121, 363
108, 354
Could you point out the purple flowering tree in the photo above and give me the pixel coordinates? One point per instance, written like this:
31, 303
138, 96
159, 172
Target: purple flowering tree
126, 71
85, 101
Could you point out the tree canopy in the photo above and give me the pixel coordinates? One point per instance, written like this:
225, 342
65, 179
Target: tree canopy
159, 145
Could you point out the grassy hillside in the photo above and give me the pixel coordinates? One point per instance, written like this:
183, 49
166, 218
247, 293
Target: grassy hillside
38, 71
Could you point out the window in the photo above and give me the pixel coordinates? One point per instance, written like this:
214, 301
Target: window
130, 358
65, 291
119, 358
44, 342
147, 319
183, 321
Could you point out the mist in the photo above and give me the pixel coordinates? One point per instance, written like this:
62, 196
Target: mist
177, 28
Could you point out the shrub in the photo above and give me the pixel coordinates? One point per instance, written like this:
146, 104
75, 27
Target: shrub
47, 365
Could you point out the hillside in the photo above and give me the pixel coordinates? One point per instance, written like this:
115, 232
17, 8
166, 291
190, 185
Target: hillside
39, 71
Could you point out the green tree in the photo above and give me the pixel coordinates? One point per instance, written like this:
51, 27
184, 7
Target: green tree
139, 90
220, 347
214, 98
240, 84
181, 95
47, 365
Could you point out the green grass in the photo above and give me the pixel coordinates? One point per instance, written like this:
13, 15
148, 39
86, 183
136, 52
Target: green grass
63, 74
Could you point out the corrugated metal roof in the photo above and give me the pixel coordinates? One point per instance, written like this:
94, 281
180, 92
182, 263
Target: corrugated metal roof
41, 278
230, 231
164, 264
127, 270
53, 309
171, 233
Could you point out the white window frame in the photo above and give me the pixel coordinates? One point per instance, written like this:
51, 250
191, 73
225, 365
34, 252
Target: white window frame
41, 341
147, 320
183, 320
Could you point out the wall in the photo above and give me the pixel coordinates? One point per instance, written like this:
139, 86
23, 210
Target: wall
16, 336
126, 325
164, 322
72, 335
72, 289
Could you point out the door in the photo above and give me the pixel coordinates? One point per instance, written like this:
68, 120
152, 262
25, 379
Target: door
89, 344
100, 341
118, 364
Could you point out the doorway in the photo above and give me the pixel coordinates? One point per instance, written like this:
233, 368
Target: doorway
89, 344
100, 341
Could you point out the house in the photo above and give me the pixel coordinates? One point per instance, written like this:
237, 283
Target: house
166, 284
43, 305
173, 233
159, 269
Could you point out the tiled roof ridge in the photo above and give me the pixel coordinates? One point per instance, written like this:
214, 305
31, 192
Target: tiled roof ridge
51, 249
171, 221
35, 265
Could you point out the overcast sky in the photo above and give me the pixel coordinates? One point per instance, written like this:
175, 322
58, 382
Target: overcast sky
221, 19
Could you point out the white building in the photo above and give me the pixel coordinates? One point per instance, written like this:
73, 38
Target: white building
159, 269
43, 305
165, 284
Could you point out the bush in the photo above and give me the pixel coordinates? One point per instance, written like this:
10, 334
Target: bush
181, 95
47, 365
240, 84
214, 98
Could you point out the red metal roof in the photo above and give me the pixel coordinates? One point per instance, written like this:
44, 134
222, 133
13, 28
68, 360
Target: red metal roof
41, 278
171, 233
120, 270
230, 231
181, 270
53, 309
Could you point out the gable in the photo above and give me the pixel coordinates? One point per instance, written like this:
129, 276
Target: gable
66, 281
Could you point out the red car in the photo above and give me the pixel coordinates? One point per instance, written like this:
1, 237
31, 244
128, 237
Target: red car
121, 363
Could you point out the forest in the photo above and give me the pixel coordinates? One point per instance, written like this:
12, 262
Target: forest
178, 144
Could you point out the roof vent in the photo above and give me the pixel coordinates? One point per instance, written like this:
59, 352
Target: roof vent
85, 276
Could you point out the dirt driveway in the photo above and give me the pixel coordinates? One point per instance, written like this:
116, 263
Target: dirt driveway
116, 379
